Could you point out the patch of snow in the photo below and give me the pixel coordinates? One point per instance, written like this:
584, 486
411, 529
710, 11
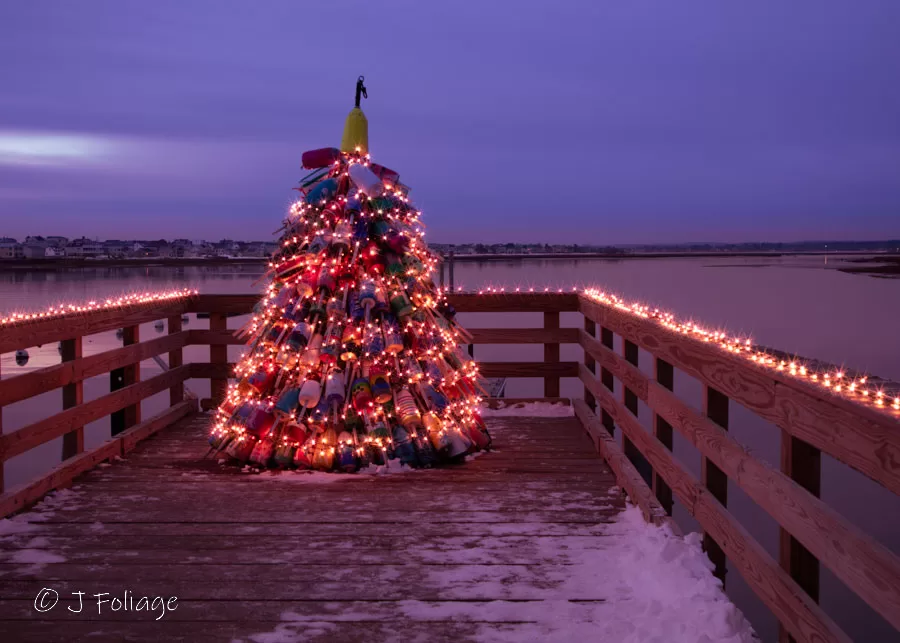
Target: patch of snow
634, 583
35, 557
13, 526
530, 409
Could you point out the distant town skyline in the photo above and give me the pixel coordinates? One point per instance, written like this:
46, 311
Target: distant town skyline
629, 123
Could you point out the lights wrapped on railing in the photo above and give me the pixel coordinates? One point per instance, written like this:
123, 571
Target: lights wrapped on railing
64, 310
856, 388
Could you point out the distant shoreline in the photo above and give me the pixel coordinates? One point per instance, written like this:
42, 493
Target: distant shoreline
891, 259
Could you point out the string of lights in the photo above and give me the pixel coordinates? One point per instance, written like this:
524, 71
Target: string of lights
64, 310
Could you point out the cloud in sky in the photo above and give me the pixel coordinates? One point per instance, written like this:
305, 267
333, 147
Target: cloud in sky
618, 122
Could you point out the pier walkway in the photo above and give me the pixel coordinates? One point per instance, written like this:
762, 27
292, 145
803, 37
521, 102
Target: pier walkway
482, 551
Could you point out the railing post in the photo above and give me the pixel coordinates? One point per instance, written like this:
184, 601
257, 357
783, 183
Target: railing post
715, 405
665, 376
802, 463
590, 327
606, 378
551, 355
72, 395
122, 377
630, 400
176, 359
218, 354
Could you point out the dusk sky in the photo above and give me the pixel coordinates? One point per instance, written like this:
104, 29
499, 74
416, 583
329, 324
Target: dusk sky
578, 122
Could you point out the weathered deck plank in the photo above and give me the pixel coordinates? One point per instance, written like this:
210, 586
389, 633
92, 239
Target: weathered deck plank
348, 558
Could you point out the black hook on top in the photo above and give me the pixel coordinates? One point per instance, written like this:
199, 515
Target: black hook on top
360, 89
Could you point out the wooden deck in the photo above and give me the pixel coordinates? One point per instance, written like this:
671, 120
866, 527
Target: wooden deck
323, 558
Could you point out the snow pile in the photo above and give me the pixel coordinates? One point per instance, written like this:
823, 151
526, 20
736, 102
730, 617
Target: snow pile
637, 583
529, 409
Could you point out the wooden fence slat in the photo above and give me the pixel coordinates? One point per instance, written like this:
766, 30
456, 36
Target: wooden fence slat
16, 442
590, 329
547, 335
630, 401
606, 378
864, 438
132, 413
665, 377
864, 565
802, 463
41, 380
715, 407
72, 395
801, 616
551, 354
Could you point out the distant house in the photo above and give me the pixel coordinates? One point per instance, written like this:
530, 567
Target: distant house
115, 248
84, 248
57, 242
10, 248
36, 250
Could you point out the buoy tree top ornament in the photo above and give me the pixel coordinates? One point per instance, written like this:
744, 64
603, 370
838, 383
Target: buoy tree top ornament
354, 359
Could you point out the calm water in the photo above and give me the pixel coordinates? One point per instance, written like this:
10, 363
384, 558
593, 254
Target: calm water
796, 304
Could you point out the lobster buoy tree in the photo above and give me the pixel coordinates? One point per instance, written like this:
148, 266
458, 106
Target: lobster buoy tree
354, 355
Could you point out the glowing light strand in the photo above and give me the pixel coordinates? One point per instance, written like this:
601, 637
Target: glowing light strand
64, 310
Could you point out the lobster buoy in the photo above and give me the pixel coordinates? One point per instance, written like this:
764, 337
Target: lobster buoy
322, 191
366, 181
314, 159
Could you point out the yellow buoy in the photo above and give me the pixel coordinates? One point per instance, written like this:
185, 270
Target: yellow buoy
356, 127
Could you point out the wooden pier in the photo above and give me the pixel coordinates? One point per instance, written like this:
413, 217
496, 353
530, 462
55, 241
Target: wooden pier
167, 518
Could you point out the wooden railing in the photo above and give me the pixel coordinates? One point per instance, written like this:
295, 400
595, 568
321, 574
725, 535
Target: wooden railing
550, 369
811, 420
124, 404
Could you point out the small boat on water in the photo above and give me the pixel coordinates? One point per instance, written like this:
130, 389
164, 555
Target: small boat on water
159, 326
120, 334
21, 357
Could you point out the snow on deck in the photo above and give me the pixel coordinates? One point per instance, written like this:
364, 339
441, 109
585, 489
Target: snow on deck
532, 542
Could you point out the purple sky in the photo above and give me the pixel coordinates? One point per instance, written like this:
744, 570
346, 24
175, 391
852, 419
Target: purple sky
588, 122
